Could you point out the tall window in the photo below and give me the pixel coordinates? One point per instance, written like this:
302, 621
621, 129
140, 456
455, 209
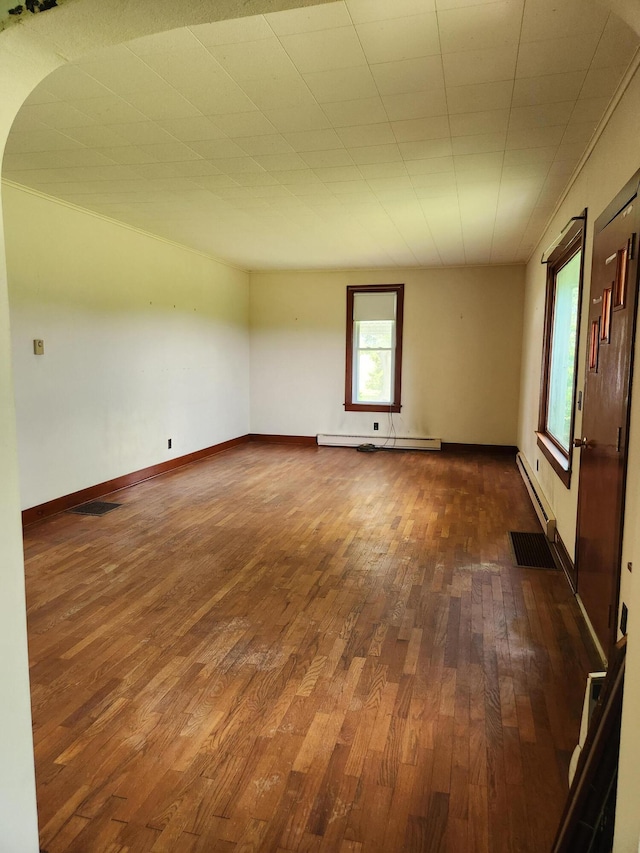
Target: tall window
560, 352
374, 348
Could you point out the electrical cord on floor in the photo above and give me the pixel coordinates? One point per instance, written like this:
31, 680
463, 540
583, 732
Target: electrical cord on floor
373, 448
392, 432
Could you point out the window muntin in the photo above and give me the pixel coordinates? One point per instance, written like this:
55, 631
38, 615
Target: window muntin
374, 348
560, 349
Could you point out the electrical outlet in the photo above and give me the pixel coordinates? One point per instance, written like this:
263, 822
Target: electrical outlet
169, 444
376, 425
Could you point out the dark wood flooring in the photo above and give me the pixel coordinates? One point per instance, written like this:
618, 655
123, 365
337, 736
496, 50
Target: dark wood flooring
296, 649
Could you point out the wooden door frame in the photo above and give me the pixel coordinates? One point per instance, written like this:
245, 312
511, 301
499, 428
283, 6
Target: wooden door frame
622, 199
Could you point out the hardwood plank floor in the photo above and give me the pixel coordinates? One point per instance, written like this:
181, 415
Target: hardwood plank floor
296, 649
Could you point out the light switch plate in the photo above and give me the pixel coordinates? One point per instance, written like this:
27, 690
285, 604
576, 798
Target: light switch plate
38, 346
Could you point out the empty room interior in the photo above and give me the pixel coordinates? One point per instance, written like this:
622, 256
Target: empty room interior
240, 244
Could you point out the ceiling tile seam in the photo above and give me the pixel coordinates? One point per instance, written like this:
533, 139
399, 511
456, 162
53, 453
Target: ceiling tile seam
589, 68
372, 269
495, 218
318, 104
575, 105
191, 27
77, 145
455, 172
530, 217
146, 119
161, 81
267, 15
427, 230
339, 178
180, 141
446, 102
390, 18
407, 247
585, 32
397, 142
397, 230
380, 95
224, 72
375, 82
623, 85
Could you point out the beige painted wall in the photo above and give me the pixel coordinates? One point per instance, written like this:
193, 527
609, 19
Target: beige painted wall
461, 353
144, 341
614, 160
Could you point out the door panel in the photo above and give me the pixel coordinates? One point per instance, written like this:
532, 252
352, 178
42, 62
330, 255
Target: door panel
605, 424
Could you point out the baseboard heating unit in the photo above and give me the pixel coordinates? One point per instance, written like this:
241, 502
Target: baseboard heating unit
380, 441
540, 503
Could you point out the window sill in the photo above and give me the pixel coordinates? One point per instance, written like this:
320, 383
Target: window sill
371, 407
560, 463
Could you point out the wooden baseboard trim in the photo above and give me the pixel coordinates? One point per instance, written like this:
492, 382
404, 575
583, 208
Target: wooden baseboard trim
506, 449
564, 558
53, 507
591, 631
306, 440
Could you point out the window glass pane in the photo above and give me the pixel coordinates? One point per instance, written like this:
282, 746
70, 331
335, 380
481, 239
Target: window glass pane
563, 347
373, 376
374, 334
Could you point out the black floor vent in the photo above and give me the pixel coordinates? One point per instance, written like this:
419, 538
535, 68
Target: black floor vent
94, 508
531, 550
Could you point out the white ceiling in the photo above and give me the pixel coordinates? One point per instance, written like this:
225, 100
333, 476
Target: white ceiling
363, 133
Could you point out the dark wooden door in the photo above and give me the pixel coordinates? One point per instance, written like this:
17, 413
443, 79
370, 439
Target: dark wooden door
605, 424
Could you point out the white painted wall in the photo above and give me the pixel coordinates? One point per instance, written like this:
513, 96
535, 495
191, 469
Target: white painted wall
18, 818
21, 69
144, 341
612, 163
461, 353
